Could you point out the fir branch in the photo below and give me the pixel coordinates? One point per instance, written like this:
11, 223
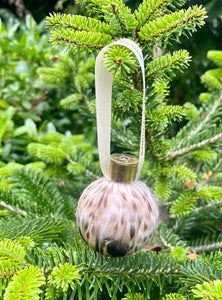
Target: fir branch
204, 156
170, 239
97, 270
183, 151
39, 230
80, 23
120, 272
183, 205
203, 122
173, 25
209, 193
208, 290
32, 191
165, 243
68, 63
166, 65
177, 3
83, 82
59, 74
8, 269
25, 284
51, 138
205, 207
148, 10
12, 251
163, 188
115, 13
120, 58
88, 173
75, 168
71, 101
47, 153
160, 117
211, 247
64, 276
16, 211
173, 296
202, 243
161, 91
198, 272
89, 261
136, 296
181, 172
128, 101
124, 19
91, 40
6, 170
93, 6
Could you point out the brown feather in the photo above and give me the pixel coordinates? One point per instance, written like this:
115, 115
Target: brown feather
116, 219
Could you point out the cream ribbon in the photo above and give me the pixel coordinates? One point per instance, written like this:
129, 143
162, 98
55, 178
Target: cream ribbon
103, 85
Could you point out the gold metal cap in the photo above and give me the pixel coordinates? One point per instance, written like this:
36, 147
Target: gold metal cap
123, 168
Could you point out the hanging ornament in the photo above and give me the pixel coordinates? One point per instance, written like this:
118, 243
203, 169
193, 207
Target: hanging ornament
117, 213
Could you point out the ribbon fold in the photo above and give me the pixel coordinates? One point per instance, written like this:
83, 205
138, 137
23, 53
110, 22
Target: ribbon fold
103, 86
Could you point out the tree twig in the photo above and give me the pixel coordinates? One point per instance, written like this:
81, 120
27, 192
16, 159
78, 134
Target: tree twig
204, 248
194, 147
88, 173
16, 211
207, 206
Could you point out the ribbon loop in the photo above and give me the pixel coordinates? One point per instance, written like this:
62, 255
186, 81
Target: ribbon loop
103, 85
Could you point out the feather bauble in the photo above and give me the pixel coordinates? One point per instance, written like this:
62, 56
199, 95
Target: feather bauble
116, 219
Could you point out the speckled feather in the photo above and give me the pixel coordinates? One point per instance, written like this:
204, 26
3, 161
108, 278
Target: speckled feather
116, 219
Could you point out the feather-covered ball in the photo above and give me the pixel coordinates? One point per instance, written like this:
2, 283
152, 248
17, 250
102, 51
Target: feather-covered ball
116, 219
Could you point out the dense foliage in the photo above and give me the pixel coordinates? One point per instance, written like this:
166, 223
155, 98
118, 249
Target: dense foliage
48, 154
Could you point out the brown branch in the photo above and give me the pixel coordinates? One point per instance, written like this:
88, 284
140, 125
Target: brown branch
36, 102
73, 41
20, 9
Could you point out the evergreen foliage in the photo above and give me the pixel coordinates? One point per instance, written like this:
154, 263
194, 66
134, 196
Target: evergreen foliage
25, 284
208, 290
46, 163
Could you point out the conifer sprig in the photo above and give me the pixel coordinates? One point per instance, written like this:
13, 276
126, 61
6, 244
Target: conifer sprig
39, 230
149, 9
65, 37
47, 153
208, 290
183, 205
180, 172
64, 276
171, 26
13, 209
119, 17
121, 59
206, 127
194, 147
173, 296
79, 23
165, 66
25, 284
210, 246
31, 191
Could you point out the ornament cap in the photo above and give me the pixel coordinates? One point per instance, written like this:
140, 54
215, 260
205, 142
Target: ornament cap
123, 168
